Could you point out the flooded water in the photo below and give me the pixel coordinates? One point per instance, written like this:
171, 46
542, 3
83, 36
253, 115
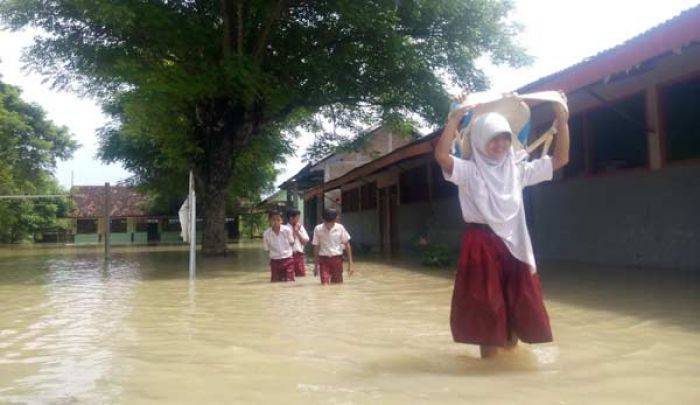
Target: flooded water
73, 330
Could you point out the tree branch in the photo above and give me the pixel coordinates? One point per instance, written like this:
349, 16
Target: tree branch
239, 16
229, 26
272, 15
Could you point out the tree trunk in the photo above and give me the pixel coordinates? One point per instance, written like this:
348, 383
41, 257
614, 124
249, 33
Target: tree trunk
213, 196
213, 173
223, 130
214, 215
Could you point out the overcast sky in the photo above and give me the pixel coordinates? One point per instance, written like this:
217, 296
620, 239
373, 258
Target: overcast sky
558, 33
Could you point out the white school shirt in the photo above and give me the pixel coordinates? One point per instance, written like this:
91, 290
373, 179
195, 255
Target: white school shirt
299, 244
278, 245
332, 242
530, 173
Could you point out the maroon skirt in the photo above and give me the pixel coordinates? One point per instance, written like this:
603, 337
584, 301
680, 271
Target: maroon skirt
299, 264
331, 268
282, 269
495, 295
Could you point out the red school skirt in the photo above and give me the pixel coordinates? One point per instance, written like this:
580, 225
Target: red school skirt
299, 264
331, 268
282, 269
495, 295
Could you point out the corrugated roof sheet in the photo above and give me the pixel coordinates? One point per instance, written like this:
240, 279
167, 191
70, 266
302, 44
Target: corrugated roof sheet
669, 36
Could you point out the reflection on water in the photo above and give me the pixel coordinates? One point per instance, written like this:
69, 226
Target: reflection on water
76, 330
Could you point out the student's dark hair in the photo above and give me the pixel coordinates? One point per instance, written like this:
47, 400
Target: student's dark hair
329, 214
292, 212
273, 213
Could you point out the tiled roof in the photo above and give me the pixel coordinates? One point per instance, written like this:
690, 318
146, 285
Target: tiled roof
88, 202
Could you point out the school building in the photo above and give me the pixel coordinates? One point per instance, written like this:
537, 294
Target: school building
629, 196
306, 189
281, 201
130, 220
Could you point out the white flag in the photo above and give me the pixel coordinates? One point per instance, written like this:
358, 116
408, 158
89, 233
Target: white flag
184, 215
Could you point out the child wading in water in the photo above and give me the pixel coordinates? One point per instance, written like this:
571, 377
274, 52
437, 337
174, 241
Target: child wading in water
301, 238
278, 241
497, 295
330, 239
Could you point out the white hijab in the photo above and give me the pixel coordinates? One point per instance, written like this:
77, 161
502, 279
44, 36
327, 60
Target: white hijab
497, 190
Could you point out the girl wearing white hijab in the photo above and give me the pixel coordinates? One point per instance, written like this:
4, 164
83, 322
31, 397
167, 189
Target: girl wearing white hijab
497, 296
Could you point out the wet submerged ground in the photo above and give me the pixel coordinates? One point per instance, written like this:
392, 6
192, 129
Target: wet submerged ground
73, 330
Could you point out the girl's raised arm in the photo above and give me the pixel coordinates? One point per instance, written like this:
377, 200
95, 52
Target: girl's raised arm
560, 157
444, 144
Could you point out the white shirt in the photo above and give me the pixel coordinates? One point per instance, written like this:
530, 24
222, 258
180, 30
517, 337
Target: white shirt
299, 244
332, 242
278, 245
514, 233
531, 173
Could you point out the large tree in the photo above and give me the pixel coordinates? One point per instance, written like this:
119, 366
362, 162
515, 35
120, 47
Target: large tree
205, 78
163, 171
30, 144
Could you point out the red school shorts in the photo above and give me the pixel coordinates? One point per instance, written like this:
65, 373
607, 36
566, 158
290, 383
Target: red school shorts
331, 268
299, 264
282, 269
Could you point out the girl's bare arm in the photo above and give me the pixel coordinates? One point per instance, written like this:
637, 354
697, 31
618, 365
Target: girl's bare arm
560, 157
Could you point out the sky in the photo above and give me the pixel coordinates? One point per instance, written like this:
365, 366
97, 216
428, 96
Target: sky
557, 33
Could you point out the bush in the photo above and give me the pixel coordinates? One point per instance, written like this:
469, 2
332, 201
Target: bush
435, 255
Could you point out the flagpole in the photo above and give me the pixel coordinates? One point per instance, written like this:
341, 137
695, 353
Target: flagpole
193, 227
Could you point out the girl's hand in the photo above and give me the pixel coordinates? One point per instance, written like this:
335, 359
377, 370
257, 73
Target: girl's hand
561, 113
460, 98
350, 270
563, 95
456, 116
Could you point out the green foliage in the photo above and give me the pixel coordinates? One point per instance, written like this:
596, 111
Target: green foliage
21, 219
29, 147
199, 82
161, 168
336, 57
253, 225
435, 255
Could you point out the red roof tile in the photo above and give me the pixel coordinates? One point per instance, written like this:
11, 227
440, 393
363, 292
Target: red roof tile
88, 202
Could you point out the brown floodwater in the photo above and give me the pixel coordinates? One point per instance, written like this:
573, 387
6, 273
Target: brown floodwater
76, 330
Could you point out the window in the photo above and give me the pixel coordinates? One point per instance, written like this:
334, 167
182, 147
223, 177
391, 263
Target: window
350, 200
441, 187
619, 135
414, 185
117, 225
682, 102
141, 226
172, 225
368, 194
86, 226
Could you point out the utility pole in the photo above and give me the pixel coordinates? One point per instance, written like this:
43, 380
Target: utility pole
107, 213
